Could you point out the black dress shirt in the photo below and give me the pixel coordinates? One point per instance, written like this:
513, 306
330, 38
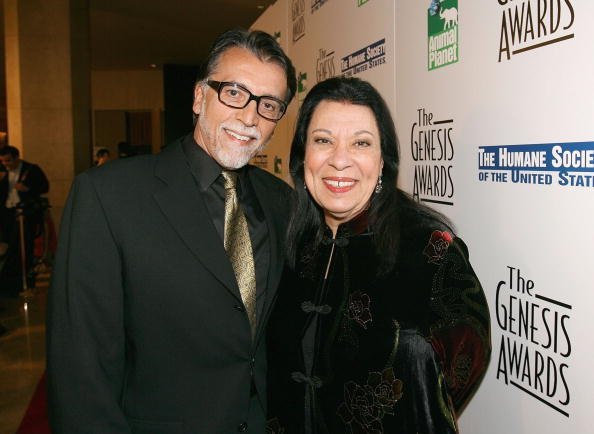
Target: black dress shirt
210, 184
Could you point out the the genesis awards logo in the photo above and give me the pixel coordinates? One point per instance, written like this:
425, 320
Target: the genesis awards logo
325, 67
298, 19
368, 57
564, 164
531, 24
442, 27
535, 348
317, 4
432, 151
361, 3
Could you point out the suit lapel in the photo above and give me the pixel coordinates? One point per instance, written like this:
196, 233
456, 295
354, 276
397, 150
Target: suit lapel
178, 198
22, 178
4, 189
23, 172
268, 205
180, 201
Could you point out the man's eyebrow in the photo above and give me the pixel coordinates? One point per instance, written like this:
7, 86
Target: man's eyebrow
280, 98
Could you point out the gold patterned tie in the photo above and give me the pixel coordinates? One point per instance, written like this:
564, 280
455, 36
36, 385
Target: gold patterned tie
239, 247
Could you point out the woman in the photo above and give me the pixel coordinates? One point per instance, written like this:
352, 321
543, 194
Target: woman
380, 325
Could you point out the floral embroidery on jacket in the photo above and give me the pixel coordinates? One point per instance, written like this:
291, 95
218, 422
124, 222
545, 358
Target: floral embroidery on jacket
462, 369
437, 246
358, 309
365, 406
273, 426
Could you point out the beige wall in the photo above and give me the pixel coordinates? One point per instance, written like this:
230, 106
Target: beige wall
47, 82
126, 91
110, 129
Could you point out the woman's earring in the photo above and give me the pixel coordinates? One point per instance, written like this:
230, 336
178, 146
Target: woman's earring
304, 186
378, 187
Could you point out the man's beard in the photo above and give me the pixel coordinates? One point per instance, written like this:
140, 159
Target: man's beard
230, 157
235, 157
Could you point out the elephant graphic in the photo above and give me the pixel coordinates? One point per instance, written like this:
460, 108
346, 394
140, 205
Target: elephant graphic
450, 17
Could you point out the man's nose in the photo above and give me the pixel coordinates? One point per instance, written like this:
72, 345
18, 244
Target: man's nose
249, 114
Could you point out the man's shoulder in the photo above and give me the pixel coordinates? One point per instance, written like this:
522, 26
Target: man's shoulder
26, 165
32, 172
132, 174
133, 167
119, 178
123, 168
273, 193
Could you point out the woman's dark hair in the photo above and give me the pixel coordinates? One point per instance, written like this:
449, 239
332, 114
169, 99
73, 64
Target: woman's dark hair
261, 44
307, 218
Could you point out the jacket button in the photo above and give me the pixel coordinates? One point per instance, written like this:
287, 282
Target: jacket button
239, 308
242, 427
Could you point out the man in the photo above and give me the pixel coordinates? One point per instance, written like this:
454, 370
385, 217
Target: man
21, 187
148, 328
102, 156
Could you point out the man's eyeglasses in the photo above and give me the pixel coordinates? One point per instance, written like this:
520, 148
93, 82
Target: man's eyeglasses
236, 96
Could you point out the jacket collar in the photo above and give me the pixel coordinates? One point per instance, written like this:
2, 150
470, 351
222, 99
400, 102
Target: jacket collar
177, 196
359, 225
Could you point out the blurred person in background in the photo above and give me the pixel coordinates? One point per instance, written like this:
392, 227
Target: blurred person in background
21, 186
102, 156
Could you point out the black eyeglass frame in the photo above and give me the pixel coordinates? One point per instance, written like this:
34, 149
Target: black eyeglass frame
218, 85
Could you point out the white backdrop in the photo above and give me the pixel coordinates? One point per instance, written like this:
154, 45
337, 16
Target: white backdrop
483, 139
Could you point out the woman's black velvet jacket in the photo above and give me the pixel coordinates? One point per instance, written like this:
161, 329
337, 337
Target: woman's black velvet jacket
354, 352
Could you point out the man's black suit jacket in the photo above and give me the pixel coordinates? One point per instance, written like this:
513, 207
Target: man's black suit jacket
145, 333
32, 177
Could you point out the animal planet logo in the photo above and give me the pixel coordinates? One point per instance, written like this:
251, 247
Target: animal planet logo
368, 57
531, 24
535, 347
298, 19
317, 4
565, 164
301, 86
325, 67
442, 27
432, 151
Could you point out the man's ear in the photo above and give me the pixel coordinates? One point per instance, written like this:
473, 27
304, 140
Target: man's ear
198, 97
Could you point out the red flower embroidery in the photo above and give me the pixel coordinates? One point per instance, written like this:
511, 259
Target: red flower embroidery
437, 246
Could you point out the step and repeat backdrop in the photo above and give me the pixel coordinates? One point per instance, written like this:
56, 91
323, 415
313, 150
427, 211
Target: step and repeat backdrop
494, 105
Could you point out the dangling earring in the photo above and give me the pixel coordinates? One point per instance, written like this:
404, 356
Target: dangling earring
304, 186
378, 187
